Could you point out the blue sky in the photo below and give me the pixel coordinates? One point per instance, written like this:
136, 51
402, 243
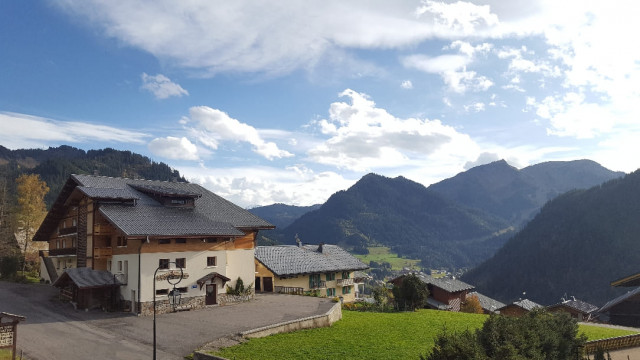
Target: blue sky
289, 101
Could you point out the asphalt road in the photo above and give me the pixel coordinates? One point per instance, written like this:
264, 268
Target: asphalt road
54, 330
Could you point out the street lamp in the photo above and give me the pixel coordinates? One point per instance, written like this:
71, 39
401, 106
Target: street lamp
174, 297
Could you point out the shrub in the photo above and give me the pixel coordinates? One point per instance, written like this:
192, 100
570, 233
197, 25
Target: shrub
9, 266
537, 335
239, 288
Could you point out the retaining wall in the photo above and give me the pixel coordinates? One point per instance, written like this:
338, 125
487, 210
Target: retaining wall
324, 320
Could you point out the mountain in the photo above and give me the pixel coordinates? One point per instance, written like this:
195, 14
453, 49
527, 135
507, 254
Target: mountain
516, 195
404, 215
577, 244
54, 165
282, 215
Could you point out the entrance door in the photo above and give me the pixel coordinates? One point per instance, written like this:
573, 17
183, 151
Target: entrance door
258, 284
210, 297
268, 284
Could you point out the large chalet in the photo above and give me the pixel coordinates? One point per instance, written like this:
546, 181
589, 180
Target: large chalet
131, 229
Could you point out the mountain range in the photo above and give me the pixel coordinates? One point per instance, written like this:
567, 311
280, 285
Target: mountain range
456, 223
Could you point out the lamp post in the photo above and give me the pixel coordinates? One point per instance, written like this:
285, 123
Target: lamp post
174, 298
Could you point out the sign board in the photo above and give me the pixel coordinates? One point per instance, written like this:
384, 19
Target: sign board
6, 336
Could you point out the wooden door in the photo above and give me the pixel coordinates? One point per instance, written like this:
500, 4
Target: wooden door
258, 288
268, 284
210, 296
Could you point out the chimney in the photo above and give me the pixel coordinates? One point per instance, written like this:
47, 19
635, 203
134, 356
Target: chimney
298, 241
320, 248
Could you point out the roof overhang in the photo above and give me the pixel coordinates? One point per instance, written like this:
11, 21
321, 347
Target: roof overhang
632, 280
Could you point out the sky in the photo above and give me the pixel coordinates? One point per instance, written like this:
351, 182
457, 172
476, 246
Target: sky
288, 102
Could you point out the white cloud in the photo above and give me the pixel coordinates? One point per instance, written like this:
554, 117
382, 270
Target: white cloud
211, 126
462, 18
484, 158
475, 107
255, 186
407, 84
161, 86
365, 137
26, 131
174, 148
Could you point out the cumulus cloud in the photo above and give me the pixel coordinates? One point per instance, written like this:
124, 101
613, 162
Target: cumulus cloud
484, 158
363, 136
174, 148
26, 131
212, 126
261, 185
161, 86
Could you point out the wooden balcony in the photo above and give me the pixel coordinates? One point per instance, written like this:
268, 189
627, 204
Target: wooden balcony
62, 252
68, 231
345, 282
104, 252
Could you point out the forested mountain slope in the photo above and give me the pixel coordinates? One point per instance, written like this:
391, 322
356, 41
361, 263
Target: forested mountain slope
576, 245
404, 215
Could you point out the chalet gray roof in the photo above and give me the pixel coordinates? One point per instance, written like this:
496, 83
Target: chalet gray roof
448, 284
211, 215
620, 299
486, 302
108, 193
526, 304
86, 278
287, 260
578, 305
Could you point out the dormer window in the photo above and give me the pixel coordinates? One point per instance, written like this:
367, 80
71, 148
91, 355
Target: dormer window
169, 196
178, 201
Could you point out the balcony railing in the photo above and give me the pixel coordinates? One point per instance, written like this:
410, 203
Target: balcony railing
60, 252
102, 252
289, 290
68, 230
318, 285
345, 282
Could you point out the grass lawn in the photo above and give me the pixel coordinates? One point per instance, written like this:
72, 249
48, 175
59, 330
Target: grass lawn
362, 335
382, 253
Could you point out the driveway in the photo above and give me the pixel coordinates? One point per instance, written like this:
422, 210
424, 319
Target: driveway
54, 330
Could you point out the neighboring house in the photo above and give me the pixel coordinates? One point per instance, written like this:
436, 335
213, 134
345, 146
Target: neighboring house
625, 309
489, 305
297, 269
445, 293
135, 228
519, 308
578, 309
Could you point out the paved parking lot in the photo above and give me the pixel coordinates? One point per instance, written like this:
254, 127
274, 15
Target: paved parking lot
54, 330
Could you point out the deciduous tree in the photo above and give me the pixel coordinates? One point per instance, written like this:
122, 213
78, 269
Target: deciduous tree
411, 293
472, 305
31, 208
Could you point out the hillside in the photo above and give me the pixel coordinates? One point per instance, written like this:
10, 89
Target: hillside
405, 216
516, 195
576, 245
282, 215
54, 165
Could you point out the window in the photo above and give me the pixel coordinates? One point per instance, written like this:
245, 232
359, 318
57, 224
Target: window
163, 263
181, 241
330, 276
183, 289
212, 260
164, 241
58, 244
211, 240
162, 292
64, 243
74, 222
346, 289
331, 292
109, 265
178, 201
122, 241
181, 263
119, 266
345, 274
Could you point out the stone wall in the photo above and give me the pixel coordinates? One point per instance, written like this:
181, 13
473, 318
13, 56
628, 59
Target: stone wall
195, 302
615, 343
